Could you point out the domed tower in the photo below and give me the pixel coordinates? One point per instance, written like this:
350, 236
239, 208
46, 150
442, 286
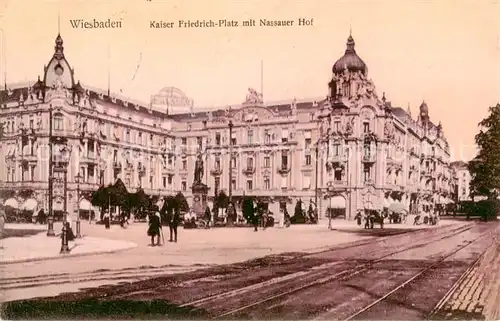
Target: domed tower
424, 114
349, 63
350, 60
58, 72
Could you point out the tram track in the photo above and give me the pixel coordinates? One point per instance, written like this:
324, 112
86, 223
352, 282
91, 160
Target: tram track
279, 288
364, 312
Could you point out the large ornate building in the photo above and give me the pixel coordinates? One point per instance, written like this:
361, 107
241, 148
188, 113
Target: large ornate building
350, 150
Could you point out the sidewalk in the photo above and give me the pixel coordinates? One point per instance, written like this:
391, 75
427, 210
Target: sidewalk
477, 295
40, 247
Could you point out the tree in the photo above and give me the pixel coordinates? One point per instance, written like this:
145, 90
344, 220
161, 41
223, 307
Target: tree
248, 209
485, 167
221, 200
181, 202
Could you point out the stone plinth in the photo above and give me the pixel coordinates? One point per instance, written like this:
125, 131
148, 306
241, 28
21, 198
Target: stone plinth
200, 192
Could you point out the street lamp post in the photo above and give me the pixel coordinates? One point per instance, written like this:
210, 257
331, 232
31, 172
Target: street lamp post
330, 192
50, 219
78, 226
230, 174
64, 238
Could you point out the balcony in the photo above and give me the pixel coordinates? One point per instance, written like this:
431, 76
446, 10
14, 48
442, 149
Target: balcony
217, 171
249, 171
283, 170
90, 158
368, 158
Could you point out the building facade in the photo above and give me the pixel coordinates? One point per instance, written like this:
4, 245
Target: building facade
463, 181
349, 150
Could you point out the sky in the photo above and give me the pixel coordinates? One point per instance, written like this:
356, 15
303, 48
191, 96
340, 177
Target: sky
446, 52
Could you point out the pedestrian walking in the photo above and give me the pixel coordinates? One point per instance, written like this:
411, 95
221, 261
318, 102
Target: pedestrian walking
107, 220
154, 228
2, 221
173, 224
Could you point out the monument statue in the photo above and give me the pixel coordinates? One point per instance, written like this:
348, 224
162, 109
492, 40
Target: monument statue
198, 170
253, 97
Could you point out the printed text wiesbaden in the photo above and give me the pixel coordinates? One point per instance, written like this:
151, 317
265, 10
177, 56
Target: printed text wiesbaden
96, 24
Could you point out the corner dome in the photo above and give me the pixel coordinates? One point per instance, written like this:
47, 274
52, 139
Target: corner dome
350, 60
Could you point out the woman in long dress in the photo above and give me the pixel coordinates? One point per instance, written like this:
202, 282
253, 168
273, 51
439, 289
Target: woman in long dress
154, 228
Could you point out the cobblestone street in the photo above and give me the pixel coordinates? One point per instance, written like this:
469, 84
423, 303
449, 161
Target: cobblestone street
477, 293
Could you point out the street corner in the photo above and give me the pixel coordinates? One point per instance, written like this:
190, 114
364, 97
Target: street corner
41, 247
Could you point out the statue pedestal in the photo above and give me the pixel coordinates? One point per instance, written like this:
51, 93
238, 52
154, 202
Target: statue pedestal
200, 192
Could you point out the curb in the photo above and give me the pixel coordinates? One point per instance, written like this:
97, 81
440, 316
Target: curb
65, 256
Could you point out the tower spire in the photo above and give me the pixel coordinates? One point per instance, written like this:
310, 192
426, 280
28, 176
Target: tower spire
58, 23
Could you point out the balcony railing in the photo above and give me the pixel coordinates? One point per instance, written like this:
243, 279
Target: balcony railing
249, 170
216, 171
283, 169
368, 158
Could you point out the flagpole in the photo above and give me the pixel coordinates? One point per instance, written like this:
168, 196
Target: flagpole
109, 73
262, 79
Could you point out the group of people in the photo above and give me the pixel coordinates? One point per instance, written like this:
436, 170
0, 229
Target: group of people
155, 226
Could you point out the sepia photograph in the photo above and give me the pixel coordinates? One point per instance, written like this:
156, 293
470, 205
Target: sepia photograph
248, 160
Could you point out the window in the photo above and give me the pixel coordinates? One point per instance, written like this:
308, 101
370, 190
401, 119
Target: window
249, 184
284, 135
267, 161
233, 183
217, 139
127, 136
184, 141
32, 123
336, 125
164, 182
199, 141
267, 183
101, 177
183, 186
233, 161
184, 164
250, 137
115, 156
170, 178
151, 181
367, 151
151, 138
284, 160
308, 160
267, 136
217, 182
307, 143
250, 163
58, 122
139, 138
366, 174
217, 162
366, 127
233, 141
338, 175
336, 149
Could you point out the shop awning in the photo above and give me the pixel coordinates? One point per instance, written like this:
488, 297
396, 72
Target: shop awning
12, 203
85, 205
30, 205
336, 202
